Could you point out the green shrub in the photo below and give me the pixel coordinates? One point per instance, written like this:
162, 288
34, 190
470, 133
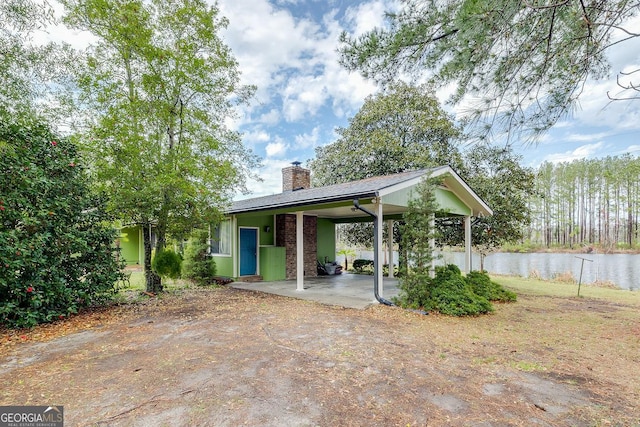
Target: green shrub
454, 297
449, 271
56, 241
415, 292
360, 265
198, 264
167, 264
482, 285
451, 293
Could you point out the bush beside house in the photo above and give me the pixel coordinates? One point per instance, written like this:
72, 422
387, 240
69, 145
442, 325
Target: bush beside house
198, 264
167, 264
362, 265
56, 241
451, 293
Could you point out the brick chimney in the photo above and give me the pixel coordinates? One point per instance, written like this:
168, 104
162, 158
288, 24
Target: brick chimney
295, 178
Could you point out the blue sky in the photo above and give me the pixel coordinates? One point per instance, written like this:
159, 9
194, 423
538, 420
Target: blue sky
288, 49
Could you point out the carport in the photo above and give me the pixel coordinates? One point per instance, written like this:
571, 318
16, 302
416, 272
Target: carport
346, 290
381, 199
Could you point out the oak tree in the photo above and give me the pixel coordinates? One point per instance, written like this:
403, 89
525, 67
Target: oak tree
496, 175
158, 87
400, 128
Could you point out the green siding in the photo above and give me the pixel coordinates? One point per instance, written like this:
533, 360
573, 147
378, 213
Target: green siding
130, 245
326, 239
263, 222
224, 265
273, 263
398, 198
450, 203
447, 201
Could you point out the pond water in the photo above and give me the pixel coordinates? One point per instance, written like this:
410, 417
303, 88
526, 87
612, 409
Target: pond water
623, 270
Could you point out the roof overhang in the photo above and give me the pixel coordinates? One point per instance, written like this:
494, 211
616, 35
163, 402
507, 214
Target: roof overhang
336, 202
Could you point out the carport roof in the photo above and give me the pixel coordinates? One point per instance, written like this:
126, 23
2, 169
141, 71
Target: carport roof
364, 188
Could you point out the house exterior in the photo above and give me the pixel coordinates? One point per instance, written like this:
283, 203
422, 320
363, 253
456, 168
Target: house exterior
131, 244
283, 236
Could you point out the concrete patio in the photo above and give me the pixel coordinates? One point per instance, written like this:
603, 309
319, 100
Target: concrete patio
346, 290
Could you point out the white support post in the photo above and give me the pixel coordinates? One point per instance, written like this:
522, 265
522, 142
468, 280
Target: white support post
300, 251
432, 245
235, 247
140, 246
378, 255
467, 244
390, 246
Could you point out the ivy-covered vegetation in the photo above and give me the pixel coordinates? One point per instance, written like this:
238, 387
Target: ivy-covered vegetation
56, 241
451, 293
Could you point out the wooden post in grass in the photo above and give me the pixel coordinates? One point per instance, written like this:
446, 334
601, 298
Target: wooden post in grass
582, 267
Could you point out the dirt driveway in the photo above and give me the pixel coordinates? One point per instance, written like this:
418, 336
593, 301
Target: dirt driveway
227, 357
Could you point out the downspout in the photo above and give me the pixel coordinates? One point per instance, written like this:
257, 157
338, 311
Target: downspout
376, 285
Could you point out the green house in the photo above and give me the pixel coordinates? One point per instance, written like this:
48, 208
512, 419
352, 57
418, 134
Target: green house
285, 235
131, 244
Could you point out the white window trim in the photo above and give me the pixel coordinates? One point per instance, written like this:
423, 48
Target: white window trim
229, 241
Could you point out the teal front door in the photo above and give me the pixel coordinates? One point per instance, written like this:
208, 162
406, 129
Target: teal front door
248, 251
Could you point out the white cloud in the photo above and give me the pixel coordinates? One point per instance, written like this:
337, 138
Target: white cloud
60, 33
257, 136
581, 152
303, 96
633, 148
308, 140
265, 41
366, 16
270, 118
586, 137
595, 106
277, 148
271, 175
295, 60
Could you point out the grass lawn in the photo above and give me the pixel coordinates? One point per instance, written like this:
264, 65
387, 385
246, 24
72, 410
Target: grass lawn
137, 283
549, 288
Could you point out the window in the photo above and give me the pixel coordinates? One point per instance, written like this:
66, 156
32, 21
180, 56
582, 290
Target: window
221, 239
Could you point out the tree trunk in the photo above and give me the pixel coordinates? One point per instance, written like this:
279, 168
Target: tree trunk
153, 281
403, 257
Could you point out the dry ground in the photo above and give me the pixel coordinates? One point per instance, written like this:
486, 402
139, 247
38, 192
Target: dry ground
225, 357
